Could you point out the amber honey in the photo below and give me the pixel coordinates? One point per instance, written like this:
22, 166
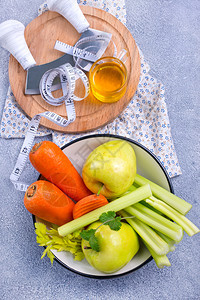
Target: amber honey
108, 78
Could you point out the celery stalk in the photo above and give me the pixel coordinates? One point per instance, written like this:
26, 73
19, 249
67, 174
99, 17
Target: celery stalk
131, 189
177, 203
159, 246
169, 241
180, 219
160, 260
157, 216
116, 205
156, 221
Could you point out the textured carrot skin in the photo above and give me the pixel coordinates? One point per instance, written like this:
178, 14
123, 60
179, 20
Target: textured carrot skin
46, 201
88, 204
50, 161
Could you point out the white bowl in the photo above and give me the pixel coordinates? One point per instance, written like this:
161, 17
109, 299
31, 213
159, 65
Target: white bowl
147, 165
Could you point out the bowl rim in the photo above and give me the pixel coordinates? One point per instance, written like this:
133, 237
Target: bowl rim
168, 180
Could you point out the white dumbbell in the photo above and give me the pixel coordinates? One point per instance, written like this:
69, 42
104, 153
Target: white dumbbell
12, 39
71, 11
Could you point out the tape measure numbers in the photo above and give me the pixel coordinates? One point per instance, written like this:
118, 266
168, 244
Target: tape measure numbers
68, 76
74, 51
84, 50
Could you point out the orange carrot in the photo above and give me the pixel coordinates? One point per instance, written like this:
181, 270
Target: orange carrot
46, 201
49, 160
88, 204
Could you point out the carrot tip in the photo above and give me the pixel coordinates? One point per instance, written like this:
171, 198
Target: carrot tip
36, 147
31, 191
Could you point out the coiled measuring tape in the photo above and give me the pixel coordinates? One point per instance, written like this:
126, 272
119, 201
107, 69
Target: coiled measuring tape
68, 76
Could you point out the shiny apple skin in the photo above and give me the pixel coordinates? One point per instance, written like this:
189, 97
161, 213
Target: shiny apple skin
113, 165
117, 248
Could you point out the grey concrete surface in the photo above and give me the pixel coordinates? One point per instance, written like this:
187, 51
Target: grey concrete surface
168, 33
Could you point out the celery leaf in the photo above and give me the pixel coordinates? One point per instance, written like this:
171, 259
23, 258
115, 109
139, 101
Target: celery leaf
51, 240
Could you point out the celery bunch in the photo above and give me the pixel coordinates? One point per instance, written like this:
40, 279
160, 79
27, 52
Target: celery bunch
159, 222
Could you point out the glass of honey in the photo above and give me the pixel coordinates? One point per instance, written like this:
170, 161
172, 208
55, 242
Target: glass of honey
108, 79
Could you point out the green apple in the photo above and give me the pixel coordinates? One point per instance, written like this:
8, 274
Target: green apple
117, 248
111, 165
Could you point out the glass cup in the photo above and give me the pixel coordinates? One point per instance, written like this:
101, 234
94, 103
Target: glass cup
108, 79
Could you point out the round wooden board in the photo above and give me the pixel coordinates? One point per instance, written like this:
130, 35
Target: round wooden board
41, 35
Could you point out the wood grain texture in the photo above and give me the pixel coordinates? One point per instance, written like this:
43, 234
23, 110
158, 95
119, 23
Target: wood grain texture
41, 35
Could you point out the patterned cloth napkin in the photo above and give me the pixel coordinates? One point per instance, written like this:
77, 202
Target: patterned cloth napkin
144, 120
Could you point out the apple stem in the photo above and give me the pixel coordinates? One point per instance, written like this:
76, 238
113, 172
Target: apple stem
87, 248
99, 191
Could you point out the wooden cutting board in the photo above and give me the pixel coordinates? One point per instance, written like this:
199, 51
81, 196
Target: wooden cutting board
41, 35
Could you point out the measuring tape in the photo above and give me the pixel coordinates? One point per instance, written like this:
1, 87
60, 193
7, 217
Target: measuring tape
80, 51
72, 50
68, 76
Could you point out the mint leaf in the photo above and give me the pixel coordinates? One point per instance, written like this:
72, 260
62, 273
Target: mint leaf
105, 217
93, 241
87, 234
115, 224
110, 219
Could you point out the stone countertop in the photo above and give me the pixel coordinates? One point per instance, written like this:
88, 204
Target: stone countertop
168, 33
